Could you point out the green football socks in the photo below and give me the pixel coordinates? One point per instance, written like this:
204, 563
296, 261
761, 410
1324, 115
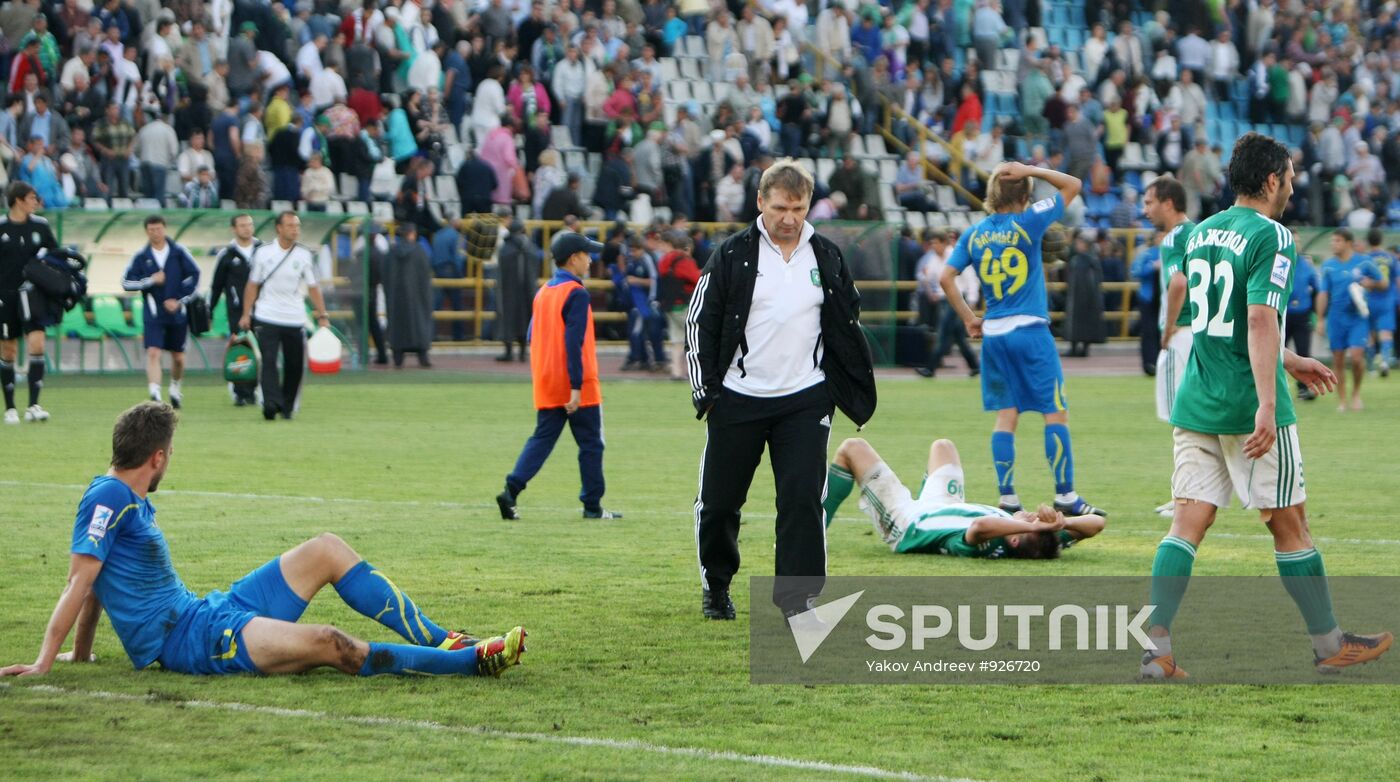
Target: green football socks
838, 488
1306, 581
1171, 570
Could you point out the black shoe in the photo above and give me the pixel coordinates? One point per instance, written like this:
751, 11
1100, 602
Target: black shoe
716, 604
1306, 394
505, 357
239, 401
524, 356
269, 413
974, 372
381, 359
923, 371
1080, 508
631, 366
398, 359
286, 414
423, 361
175, 402
506, 502
601, 513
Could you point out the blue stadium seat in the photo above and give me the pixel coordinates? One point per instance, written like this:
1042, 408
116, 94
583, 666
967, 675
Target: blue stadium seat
1239, 90
1212, 111
1055, 36
1227, 110
1133, 179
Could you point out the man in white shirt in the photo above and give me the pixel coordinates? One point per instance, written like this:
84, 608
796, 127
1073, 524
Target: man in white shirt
156, 148
309, 58
81, 63
569, 79
193, 158
1224, 64
273, 301
489, 105
950, 326
327, 87
773, 344
272, 72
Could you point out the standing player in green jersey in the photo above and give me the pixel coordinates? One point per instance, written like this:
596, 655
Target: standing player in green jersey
1235, 430
1165, 205
940, 520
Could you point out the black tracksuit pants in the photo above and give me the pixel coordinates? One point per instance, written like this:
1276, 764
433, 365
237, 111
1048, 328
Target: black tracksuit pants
280, 394
796, 429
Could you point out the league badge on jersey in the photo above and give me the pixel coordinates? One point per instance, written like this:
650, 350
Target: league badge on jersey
97, 526
1279, 276
1043, 205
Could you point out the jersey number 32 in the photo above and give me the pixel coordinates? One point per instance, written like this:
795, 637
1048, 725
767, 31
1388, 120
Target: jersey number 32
1200, 279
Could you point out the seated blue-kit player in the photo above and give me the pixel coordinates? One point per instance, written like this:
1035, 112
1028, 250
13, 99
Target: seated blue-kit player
120, 562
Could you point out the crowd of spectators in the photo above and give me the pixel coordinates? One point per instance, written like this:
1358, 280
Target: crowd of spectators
193, 102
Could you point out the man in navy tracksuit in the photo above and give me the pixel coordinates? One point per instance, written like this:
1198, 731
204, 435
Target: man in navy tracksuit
636, 275
167, 277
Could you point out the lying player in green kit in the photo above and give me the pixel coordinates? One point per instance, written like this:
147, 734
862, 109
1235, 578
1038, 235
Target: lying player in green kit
940, 520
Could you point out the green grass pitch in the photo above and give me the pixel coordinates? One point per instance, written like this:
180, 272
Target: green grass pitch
623, 680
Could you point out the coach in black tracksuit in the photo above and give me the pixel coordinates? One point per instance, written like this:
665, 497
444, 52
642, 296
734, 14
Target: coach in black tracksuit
773, 342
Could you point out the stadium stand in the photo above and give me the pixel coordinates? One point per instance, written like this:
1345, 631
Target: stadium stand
650, 112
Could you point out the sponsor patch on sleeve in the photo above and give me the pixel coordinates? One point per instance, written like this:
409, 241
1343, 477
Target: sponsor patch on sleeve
1279, 276
1043, 205
101, 517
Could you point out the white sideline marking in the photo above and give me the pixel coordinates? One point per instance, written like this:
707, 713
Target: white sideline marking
548, 510
508, 735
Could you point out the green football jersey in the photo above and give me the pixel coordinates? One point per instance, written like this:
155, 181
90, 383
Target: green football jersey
1174, 260
942, 532
1235, 258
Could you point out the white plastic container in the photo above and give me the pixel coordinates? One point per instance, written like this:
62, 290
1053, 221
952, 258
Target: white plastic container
323, 352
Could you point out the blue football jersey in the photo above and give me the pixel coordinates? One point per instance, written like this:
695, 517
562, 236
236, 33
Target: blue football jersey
1305, 287
1387, 267
137, 586
1005, 251
1337, 276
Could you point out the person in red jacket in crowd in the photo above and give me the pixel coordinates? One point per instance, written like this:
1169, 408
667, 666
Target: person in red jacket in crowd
25, 63
969, 109
677, 273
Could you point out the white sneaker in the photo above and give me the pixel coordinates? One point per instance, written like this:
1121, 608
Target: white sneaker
12, 416
36, 413
1167, 509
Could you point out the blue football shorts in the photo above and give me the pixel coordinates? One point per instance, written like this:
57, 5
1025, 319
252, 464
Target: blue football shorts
166, 336
1383, 318
1021, 370
1345, 332
208, 637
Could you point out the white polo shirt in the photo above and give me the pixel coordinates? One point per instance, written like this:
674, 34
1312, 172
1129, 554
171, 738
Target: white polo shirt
784, 327
281, 295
